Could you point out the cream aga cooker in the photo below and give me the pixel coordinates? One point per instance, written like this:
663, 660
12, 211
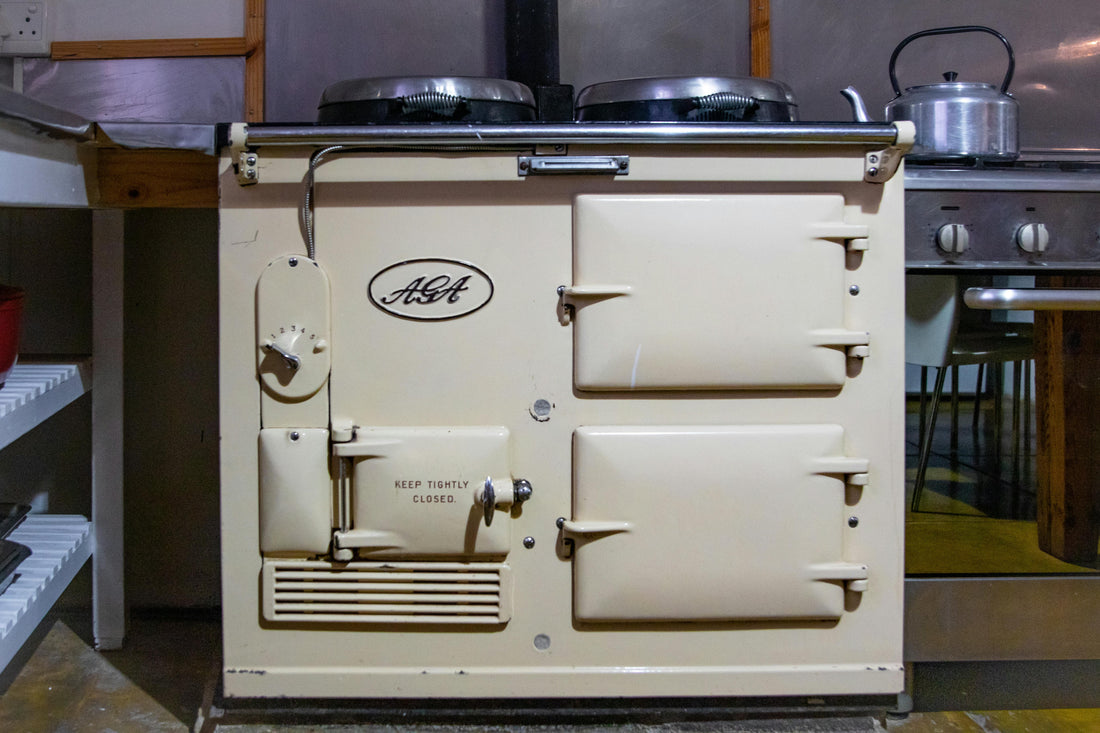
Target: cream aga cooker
562, 410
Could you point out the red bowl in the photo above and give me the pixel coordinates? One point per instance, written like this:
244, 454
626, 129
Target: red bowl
11, 318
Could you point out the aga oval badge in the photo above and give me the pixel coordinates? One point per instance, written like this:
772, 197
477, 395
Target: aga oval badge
430, 289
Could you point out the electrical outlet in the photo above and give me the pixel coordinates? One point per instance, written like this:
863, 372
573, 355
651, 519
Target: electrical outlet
23, 29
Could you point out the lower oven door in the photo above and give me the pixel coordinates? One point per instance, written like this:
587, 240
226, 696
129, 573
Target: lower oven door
712, 523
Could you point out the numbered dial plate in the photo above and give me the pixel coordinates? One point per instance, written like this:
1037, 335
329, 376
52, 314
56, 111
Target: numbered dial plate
293, 325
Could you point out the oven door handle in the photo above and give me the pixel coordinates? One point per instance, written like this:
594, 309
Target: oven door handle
1032, 299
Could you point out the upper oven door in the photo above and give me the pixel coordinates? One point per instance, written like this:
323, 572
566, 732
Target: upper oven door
712, 291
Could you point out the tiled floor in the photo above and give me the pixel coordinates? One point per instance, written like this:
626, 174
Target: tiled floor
977, 517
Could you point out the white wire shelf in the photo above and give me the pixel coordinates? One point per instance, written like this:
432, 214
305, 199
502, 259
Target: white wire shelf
33, 392
60, 545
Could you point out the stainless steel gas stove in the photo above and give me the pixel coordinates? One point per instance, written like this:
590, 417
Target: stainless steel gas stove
562, 410
1038, 216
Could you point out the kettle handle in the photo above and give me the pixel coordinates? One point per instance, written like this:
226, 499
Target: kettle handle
945, 31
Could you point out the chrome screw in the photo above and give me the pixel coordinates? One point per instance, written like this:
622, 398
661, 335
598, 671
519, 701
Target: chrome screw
250, 173
560, 522
854, 290
251, 160
528, 542
295, 435
853, 521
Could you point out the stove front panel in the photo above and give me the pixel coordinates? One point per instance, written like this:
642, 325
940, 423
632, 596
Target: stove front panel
728, 524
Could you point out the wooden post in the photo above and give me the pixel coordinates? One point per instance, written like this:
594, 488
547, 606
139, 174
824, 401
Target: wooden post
1067, 400
254, 61
760, 37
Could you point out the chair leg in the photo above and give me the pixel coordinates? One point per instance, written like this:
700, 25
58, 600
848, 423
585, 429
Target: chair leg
1017, 369
954, 411
998, 405
1027, 410
923, 403
977, 401
926, 442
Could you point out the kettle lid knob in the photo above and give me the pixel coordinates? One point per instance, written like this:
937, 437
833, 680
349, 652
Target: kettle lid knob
950, 75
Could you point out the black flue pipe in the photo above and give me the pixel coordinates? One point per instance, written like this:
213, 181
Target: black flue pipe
532, 55
531, 42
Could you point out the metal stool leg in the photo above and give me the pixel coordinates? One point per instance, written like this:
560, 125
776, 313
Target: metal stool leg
977, 401
926, 443
954, 411
923, 403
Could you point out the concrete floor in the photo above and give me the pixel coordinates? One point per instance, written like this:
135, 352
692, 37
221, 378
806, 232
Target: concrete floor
165, 679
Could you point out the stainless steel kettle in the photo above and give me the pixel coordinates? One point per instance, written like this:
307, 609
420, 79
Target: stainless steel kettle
956, 119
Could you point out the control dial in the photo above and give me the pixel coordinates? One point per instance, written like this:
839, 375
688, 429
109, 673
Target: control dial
1033, 238
292, 328
953, 238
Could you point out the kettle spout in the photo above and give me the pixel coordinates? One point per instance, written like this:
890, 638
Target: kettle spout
859, 109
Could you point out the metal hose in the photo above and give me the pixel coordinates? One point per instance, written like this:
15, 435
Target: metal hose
306, 214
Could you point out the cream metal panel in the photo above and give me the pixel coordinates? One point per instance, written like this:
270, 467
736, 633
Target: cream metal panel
295, 491
711, 292
417, 491
710, 523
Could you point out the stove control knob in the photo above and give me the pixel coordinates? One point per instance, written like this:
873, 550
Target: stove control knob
1033, 238
953, 238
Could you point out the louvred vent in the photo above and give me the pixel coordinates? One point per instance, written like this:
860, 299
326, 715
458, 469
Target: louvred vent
389, 592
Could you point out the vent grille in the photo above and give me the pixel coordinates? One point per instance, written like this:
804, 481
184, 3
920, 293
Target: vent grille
389, 592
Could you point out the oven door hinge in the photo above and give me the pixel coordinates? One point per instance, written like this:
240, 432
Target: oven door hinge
879, 166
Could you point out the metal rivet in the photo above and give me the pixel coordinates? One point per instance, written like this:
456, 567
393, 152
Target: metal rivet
251, 160
853, 521
528, 542
854, 290
293, 261
542, 642
295, 435
540, 409
560, 522
250, 173
872, 172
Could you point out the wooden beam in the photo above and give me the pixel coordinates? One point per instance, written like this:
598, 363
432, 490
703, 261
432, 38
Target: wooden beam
760, 37
254, 61
1067, 400
130, 179
148, 48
